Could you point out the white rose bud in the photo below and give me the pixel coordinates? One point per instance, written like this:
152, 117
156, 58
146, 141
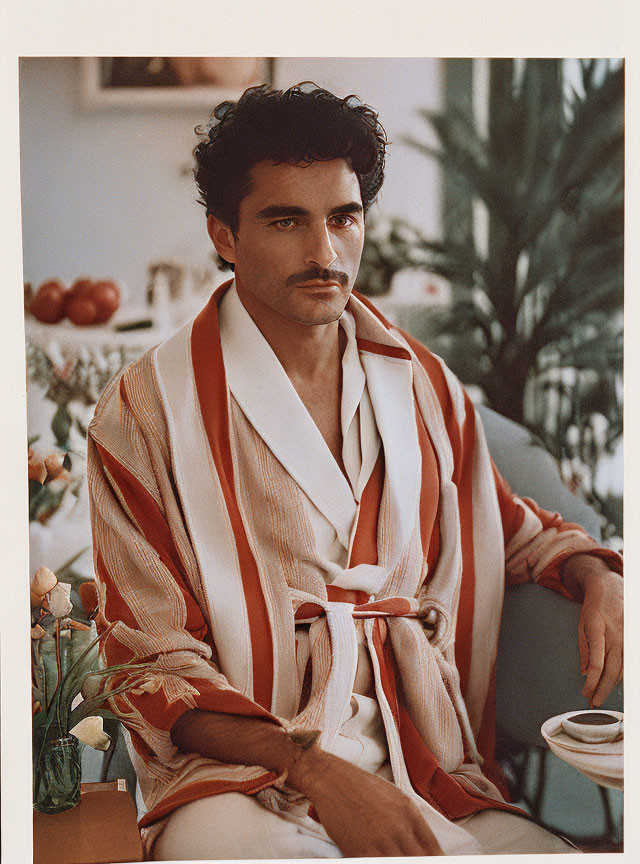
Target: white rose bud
59, 600
91, 731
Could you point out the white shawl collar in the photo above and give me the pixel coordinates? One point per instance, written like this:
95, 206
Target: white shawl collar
269, 401
390, 385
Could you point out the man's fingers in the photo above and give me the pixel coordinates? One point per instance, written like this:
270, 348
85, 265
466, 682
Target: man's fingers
583, 648
609, 678
596, 661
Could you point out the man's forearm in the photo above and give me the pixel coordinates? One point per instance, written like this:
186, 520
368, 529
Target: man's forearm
244, 741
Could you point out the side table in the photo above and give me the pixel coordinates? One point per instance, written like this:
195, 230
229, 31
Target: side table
101, 829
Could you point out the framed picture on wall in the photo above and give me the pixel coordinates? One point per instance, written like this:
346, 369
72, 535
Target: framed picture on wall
157, 82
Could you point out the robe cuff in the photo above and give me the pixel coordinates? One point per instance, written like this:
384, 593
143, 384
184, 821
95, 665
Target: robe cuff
161, 711
551, 576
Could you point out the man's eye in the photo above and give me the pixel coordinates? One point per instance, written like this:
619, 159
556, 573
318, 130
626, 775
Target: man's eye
284, 223
342, 221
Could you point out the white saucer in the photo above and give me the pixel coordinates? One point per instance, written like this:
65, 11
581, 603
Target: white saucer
602, 763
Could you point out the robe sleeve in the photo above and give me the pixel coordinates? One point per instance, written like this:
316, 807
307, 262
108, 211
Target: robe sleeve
538, 543
147, 580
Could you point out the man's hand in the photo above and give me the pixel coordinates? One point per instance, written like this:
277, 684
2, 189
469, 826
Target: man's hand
364, 815
600, 641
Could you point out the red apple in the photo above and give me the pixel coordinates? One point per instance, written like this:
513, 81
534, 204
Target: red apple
49, 303
81, 287
82, 310
106, 296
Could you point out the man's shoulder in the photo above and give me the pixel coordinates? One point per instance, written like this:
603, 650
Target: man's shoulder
133, 387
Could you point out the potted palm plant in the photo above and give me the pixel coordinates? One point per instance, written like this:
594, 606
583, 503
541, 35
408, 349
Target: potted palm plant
538, 306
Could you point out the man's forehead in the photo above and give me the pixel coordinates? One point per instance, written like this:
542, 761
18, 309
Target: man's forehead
329, 180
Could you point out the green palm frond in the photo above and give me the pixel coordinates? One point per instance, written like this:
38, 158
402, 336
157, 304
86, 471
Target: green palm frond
550, 173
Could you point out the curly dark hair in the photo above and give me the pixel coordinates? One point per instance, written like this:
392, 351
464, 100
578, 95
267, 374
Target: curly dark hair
302, 124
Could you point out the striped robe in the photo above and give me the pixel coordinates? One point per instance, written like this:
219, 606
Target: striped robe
206, 563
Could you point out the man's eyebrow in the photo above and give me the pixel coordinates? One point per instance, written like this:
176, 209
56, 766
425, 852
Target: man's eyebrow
279, 211
351, 207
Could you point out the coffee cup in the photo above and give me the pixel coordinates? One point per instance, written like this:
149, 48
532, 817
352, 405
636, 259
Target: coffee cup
594, 726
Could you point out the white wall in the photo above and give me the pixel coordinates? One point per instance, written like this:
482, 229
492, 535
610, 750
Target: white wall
104, 191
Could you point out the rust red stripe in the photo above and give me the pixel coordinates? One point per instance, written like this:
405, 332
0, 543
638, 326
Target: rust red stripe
439, 383
430, 485
365, 543
486, 740
156, 532
463, 477
346, 595
308, 610
435, 785
385, 350
427, 778
208, 366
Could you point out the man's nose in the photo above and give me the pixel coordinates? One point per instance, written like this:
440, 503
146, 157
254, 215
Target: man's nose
320, 249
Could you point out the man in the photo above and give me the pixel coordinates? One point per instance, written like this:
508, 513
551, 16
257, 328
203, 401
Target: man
298, 527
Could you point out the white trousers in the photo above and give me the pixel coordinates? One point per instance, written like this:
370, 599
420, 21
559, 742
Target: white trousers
233, 826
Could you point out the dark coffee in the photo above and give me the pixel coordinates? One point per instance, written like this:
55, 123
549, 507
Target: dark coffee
593, 719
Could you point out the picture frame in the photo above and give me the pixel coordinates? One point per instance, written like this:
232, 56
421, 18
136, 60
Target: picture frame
168, 82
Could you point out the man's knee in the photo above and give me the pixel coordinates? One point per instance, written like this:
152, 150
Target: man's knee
233, 826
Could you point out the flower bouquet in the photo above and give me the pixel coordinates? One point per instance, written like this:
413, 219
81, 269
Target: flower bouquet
70, 688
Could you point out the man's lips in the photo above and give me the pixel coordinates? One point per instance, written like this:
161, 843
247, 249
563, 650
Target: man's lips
317, 284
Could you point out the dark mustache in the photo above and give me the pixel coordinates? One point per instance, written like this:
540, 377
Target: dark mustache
315, 275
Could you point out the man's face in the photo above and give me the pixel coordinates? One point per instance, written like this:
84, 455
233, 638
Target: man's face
299, 240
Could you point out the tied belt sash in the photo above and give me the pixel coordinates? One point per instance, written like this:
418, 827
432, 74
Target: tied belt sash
338, 613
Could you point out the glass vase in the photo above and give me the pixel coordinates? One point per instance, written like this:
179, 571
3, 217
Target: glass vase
57, 775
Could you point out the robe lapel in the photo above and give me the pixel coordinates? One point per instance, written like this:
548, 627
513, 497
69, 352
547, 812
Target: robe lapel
269, 401
389, 370
390, 383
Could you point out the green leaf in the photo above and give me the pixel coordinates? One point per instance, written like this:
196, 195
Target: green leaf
61, 425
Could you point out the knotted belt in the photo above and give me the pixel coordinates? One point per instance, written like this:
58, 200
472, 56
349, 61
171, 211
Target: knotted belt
338, 613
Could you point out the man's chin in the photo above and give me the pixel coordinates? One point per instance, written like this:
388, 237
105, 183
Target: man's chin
314, 322
317, 317
319, 310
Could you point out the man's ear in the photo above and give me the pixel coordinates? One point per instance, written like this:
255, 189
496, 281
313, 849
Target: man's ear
222, 238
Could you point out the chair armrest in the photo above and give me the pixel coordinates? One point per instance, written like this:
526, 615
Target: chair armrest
532, 471
538, 665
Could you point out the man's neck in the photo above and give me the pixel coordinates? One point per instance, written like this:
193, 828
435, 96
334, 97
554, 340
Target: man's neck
311, 356
307, 352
